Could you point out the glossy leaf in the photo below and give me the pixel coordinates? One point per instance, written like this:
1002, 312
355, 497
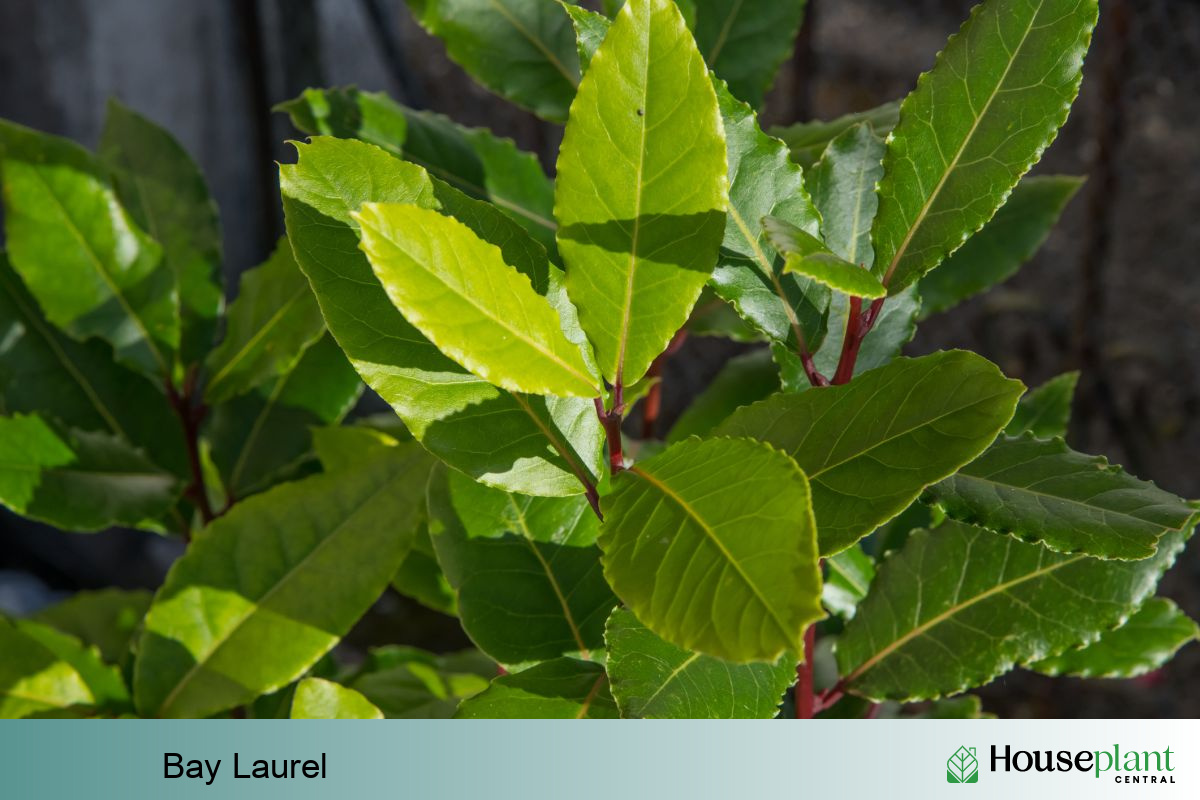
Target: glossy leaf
162, 189
28, 447
526, 570
842, 184
712, 545
869, 447
564, 688
528, 444
960, 605
267, 578
848, 576
1039, 490
77, 384
995, 99
590, 30
639, 237
788, 308
653, 678
265, 435
745, 41
1046, 410
273, 320
1145, 642
805, 254
106, 619
523, 50
456, 289
405, 683
712, 316
46, 671
743, 380
93, 271
807, 141
1002, 245
317, 698
421, 578
473, 160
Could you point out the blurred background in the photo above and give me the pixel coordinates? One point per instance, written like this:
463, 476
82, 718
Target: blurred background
1114, 292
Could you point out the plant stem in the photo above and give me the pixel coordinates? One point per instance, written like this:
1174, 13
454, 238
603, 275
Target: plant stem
611, 420
810, 369
805, 699
858, 325
191, 413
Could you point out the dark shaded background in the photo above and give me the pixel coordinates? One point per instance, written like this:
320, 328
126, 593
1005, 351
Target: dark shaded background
1114, 292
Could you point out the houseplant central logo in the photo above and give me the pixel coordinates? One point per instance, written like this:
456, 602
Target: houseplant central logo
962, 767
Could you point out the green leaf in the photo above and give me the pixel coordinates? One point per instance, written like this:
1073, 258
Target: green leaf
805, 254
420, 577
106, 619
788, 308
523, 50
640, 236
317, 698
529, 444
269, 578
1002, 245
960, 605
808, 141
526, 570
164, 192
848, 576
746, 41
743, 380
77, 384
265, 435
995, 99
1145, 642
28, 447
712, 316
894, 328
406, 683
869, 447
473, 160
964, 706
456, 289
1039, 490
590, 30
654, 679
107, 482
44, 670
564, 688
1046, 410
92, 269
273, 320
712, 545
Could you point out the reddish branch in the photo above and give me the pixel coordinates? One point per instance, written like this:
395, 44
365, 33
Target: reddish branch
805, 700
191, 413
858, 325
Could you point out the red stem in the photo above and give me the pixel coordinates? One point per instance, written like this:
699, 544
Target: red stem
611, 422
810, 369
806, 706
191, 414
858, 325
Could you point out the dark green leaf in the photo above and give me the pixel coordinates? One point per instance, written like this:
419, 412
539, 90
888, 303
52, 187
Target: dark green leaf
405, 683
743, 380
163, 190
523, 50
1046, 410
869, 447
43, 670
960, 605
590, 30
805, 254
106, 619
92, 269
564, 688
807, 141
1002, 245
527, 570
653, 678
745, 41
273, 320
713, 545
712, 316
640, 236
1039, 490
262, 593
1145, 642
975, 124
848, 576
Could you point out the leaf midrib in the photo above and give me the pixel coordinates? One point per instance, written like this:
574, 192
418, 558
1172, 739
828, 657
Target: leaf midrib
535, 41
274, 320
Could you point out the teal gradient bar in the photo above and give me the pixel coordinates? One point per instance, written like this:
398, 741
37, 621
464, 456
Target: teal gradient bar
595, 760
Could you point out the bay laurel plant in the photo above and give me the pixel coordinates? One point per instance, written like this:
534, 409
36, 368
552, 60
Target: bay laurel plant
923, 516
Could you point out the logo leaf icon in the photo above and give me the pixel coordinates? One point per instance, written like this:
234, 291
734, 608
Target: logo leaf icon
962, 767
